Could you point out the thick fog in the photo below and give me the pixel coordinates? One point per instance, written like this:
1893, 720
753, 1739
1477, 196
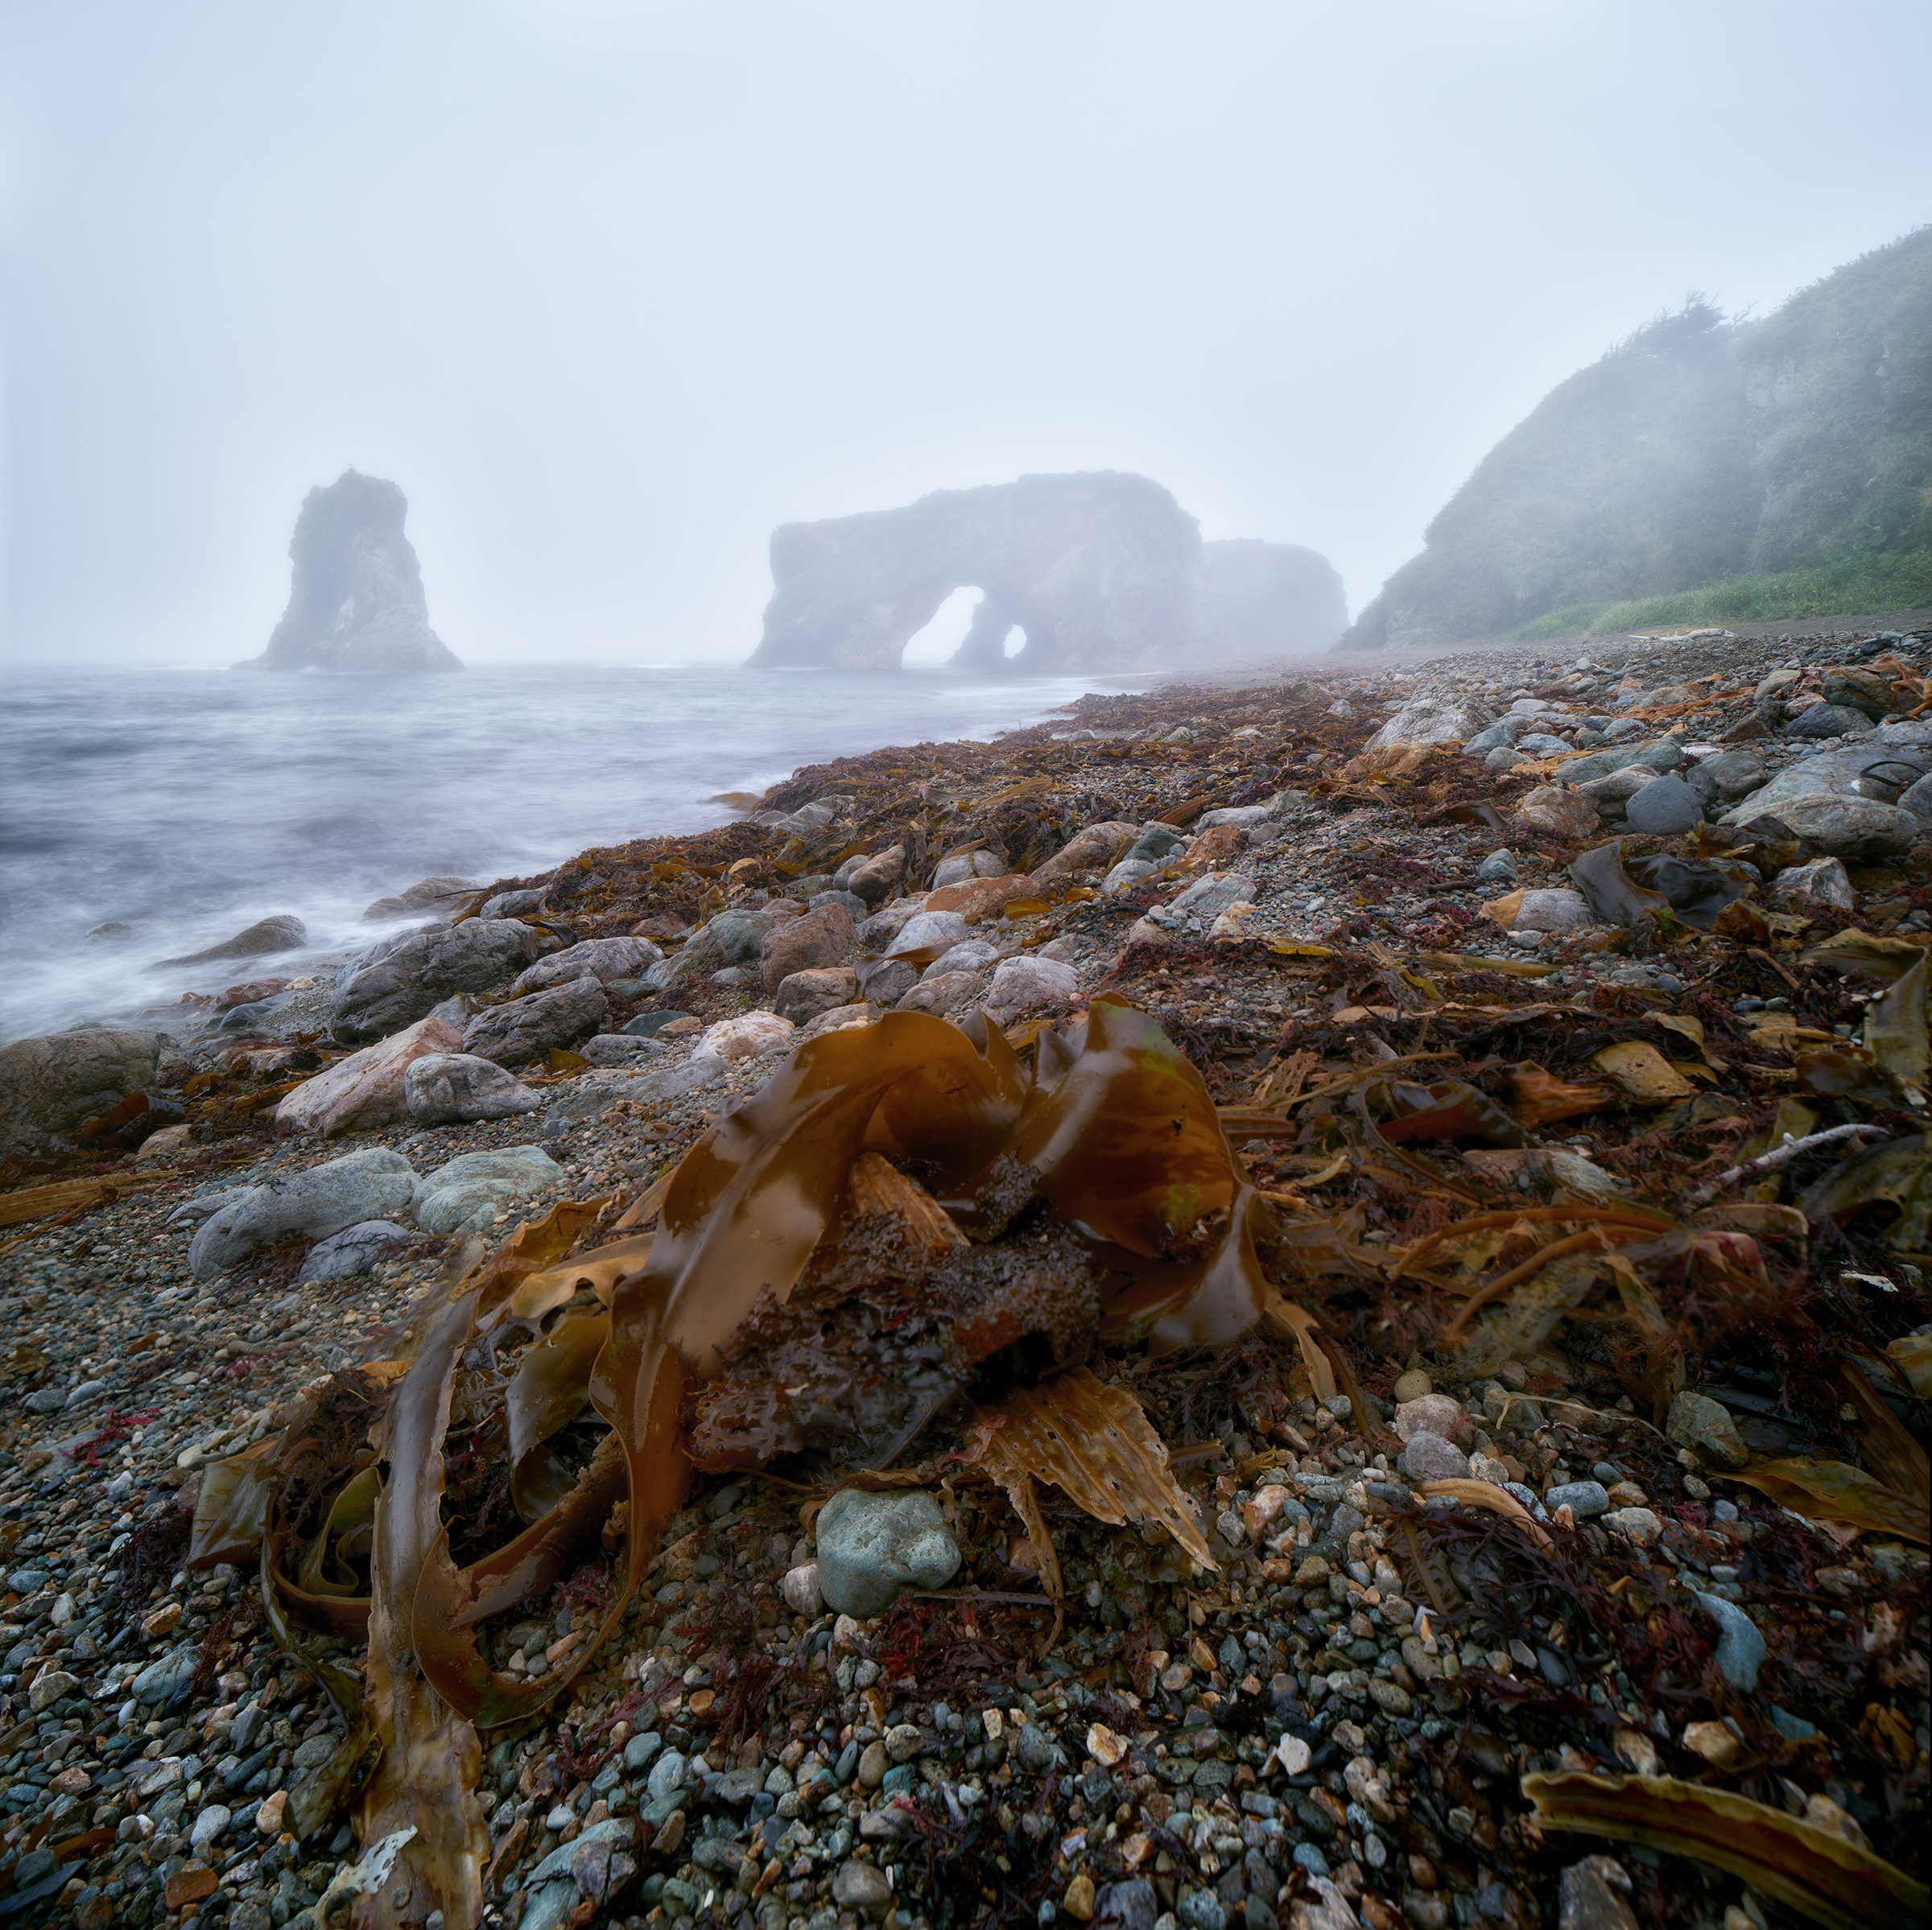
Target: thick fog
611, 289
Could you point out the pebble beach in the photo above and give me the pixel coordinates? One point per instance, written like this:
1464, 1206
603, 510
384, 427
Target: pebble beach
1505, 1555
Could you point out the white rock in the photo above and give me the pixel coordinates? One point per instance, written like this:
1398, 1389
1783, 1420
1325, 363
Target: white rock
1822, 883
973, 954
1560, 910
1021, 982
927, 928
1449, 722
969, 864
369, 1088
599, 959
747, 1037
1127, 874
801, 1590
209, 1826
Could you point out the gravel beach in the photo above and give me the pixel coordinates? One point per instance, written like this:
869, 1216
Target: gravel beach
1510, 1536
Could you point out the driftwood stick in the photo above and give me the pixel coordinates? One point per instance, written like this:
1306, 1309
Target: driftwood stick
1780, 1155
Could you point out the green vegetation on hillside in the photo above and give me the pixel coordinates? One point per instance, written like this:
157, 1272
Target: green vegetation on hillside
1727, 460
1846, 583
1838, 382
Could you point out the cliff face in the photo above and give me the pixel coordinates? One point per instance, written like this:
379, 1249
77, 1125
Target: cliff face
1699, 448
356, 601
1267, 599
1102, 572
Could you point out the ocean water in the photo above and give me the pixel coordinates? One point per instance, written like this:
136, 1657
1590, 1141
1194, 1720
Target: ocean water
187, 803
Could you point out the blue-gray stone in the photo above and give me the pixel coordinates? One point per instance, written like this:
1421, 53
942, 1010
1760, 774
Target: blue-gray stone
660, 1809
363, 1186
899, 1779
872, 1546
1155, 845
597, 1842
648, 1024
1541, 743
1202, 1910
735, 1787
1311, 1859
468, 1192
847, 902
1598, 764
667, 1775
163, 1679
1530, 1499
848, 1763
550, 1907
1827, 720
1793, 1729
353, 1250
26, 1581
1585, 1500
639, 1750
1664, 807
1741, 1648
1499, 868
246, 1770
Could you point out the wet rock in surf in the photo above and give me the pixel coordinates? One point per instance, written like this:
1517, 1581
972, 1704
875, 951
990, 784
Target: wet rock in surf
285, 932
428, 898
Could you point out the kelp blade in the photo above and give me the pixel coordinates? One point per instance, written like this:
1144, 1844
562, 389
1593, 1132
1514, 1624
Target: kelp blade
1833, 1491
1126, 1141
1094, 1442
431, 1759
1822, 1876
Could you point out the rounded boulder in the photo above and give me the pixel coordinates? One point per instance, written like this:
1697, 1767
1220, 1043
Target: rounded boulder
870, 1547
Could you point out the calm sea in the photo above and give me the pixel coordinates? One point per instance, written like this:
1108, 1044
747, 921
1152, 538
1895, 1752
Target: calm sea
187, 803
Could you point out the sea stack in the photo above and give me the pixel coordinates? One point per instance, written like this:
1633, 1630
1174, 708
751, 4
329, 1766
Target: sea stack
356, 602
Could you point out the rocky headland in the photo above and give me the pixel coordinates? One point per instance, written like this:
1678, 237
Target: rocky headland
1770, 460
356, 602
1528, 1529
1104, 573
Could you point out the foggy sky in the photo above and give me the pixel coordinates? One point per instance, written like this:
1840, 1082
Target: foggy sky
611, 289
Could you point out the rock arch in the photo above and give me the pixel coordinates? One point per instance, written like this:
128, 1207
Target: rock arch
1098, 570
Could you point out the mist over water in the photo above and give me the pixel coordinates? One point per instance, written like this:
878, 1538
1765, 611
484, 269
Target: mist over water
190, 803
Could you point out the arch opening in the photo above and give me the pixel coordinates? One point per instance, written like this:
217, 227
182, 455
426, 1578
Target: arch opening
935, 645
1016, 641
